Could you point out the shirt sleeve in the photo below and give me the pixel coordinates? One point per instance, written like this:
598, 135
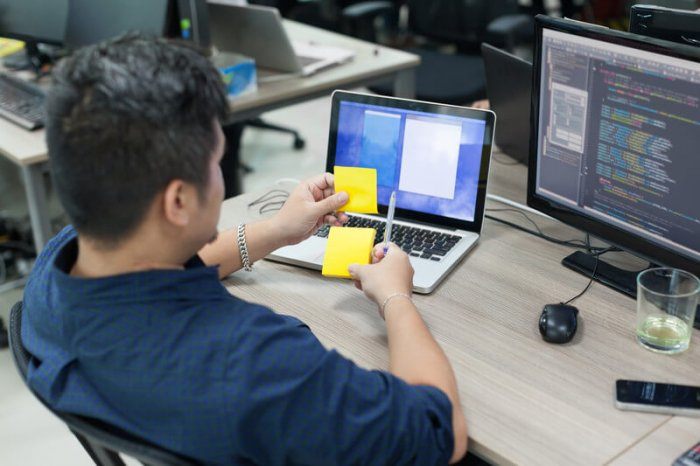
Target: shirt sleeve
307, 405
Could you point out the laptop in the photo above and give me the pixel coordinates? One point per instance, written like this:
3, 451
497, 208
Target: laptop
258, 32
508, 88
435, 156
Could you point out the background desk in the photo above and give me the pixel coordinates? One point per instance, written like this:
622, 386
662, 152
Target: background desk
526, 401
372, 63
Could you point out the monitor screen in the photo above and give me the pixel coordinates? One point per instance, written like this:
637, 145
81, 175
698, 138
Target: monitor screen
92, 21
619, 138
432, 160
35, 20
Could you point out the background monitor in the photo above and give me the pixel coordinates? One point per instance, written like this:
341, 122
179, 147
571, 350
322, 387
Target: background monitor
34, 22
92, 21
614, 142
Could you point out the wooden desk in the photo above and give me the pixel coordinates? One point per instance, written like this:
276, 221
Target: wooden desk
371, 63
526, 401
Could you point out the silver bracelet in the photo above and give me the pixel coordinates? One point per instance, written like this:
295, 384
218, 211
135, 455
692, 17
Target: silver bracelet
389, 298
243, 248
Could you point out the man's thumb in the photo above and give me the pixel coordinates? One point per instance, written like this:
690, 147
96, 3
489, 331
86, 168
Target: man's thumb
355, 270
333, 203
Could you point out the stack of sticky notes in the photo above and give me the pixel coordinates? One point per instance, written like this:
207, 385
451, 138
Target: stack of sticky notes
347, 246
361, 186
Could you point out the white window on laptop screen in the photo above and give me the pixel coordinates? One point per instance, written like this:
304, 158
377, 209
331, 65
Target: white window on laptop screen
430, 156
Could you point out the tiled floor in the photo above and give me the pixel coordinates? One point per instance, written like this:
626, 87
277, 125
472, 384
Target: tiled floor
29, 434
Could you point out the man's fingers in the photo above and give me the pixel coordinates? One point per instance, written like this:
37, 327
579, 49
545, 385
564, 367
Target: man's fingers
378, 251
342, 217
356, 271
332, 220
322, 182
332, 203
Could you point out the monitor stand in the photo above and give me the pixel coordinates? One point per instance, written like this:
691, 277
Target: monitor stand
624, 281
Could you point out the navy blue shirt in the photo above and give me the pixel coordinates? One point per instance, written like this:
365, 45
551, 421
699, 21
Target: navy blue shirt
173, 357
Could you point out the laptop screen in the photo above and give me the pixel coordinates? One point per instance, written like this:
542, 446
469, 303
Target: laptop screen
433, 160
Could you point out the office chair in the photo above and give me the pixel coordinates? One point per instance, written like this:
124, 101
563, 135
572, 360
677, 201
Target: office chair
458, 78
259, 123
350, 17
103, 442
283, 6
4, 342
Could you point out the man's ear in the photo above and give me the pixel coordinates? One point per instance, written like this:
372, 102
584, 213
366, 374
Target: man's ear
177, 203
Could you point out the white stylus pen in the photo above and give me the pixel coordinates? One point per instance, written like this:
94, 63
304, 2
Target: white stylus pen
389, 221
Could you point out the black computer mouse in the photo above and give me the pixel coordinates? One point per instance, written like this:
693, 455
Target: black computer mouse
558, 323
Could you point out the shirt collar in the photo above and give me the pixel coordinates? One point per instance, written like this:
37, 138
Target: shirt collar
195, 282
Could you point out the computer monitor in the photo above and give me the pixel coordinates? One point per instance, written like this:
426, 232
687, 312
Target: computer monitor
92, 21
34, 22
615, 136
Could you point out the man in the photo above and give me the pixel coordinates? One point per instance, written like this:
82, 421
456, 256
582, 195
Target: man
128, 322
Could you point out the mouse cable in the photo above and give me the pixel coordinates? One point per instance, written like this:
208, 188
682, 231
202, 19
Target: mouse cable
524, 210
595, 269
573, 243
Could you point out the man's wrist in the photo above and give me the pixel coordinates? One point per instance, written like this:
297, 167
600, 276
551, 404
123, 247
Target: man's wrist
263, 237
388, 300
274, 233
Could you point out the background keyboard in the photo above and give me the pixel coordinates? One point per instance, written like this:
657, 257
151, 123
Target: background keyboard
417, 242
21, 102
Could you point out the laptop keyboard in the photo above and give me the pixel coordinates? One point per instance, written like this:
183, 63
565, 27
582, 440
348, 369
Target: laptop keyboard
416, 242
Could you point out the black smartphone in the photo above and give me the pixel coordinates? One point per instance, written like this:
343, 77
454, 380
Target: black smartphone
690, 457
681, 26
660, 398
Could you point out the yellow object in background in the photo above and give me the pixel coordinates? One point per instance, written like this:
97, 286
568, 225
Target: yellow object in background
10, 46
361, 186
347, 246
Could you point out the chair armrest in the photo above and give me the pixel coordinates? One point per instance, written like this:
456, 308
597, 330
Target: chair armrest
366, 10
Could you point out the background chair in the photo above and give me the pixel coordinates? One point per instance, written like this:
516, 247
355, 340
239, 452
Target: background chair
231, 166
351, 17
102, 441
457, 76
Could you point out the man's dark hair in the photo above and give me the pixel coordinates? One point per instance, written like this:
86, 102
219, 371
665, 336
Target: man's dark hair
124, 118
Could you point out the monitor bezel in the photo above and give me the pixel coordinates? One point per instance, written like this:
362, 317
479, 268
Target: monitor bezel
464, 112
653, 252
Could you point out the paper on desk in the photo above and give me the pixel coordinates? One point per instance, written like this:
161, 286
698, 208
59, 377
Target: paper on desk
361, 186
347, 246
10, 46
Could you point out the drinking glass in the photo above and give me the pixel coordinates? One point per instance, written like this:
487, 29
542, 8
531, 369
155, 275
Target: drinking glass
667, 300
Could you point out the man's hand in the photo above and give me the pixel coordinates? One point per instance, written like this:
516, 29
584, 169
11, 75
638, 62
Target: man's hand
311, 204
388, 274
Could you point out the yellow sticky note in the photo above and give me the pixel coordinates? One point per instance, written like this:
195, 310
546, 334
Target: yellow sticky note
361, 186
347, 246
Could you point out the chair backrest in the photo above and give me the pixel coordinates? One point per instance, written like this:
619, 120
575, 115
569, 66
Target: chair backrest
461, 22
102, 441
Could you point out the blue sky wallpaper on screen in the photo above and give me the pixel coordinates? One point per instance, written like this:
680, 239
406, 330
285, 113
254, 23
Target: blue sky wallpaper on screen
372, 136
